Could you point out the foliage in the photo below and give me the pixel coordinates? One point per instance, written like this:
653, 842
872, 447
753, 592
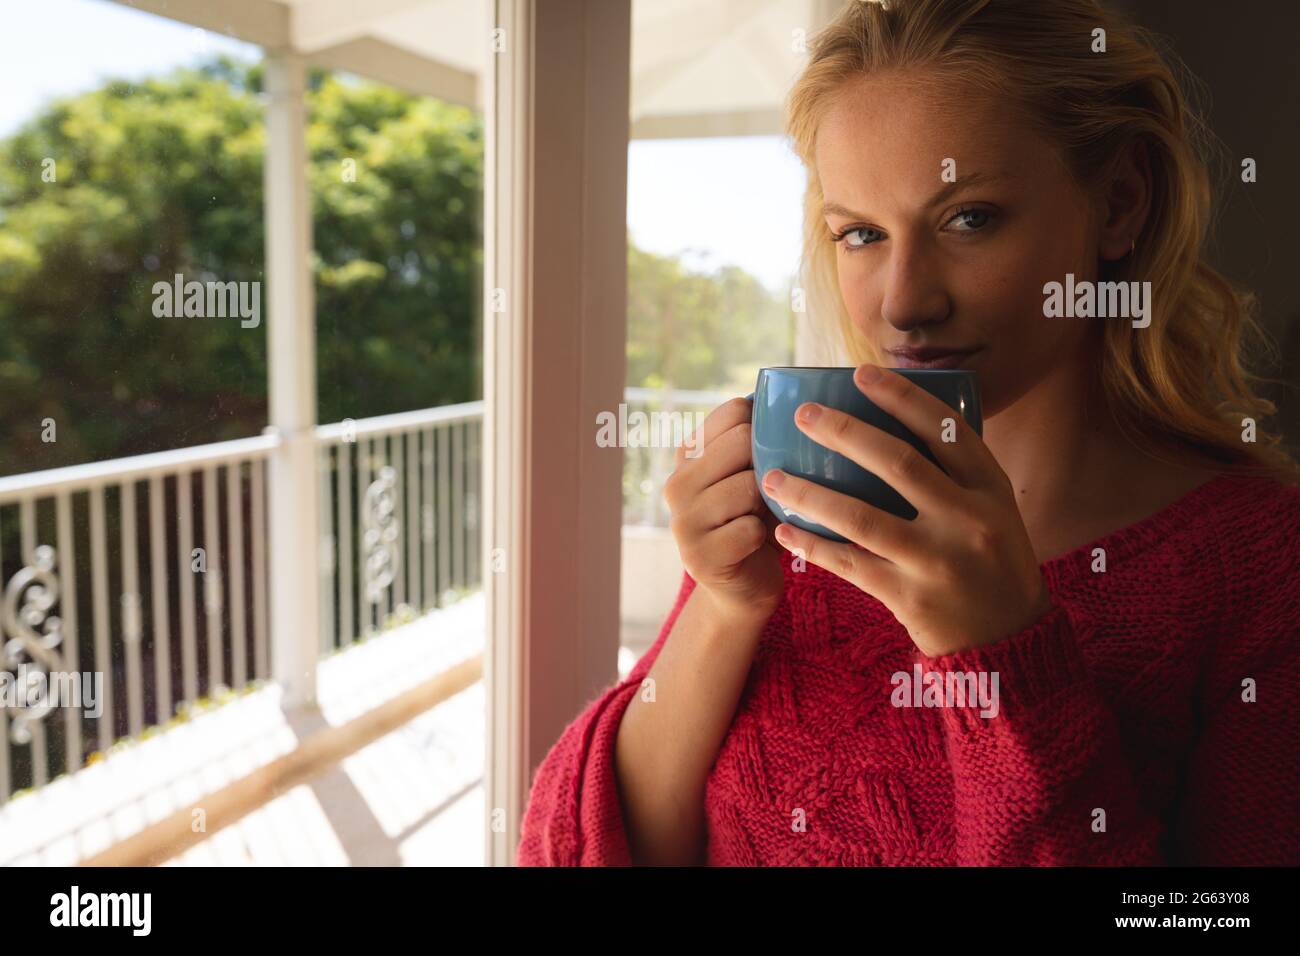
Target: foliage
162, 177
697, 330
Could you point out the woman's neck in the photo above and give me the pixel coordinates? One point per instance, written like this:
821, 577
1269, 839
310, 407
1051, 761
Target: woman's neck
1076, 476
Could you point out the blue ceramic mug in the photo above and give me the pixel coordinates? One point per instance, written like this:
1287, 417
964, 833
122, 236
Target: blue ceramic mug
777, 441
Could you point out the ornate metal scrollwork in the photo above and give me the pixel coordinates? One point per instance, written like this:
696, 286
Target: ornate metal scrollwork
33, 633
379, 539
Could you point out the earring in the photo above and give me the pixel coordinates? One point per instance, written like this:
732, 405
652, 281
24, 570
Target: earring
1132, 245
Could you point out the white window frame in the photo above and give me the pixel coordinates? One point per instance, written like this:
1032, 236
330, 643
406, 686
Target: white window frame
555, 232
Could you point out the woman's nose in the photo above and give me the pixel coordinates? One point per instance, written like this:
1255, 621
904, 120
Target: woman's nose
915, 293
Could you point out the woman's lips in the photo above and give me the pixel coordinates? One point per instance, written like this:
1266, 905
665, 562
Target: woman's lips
930, 357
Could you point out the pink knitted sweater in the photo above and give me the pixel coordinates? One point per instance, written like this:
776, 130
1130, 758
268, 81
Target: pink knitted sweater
1151, 717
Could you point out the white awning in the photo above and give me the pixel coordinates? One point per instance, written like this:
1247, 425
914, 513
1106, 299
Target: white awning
699, 67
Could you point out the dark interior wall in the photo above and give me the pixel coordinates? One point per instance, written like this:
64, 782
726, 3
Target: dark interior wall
1245, 55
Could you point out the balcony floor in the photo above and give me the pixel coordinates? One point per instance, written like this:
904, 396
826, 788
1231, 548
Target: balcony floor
412, 797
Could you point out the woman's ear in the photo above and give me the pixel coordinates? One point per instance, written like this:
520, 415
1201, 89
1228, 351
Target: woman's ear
1127, 202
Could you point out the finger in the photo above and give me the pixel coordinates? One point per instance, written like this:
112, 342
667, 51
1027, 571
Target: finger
718, 504
736, 540
729, 453
868, 527
896, 462
726, 416
870, 572
967, 459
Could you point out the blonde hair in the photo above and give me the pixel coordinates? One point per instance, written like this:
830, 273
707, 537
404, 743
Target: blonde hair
1182, 382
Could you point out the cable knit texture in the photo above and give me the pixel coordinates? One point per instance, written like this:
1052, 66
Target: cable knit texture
1127, 731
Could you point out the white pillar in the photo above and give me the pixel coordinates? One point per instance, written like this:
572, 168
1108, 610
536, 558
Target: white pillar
291, 363
556, 224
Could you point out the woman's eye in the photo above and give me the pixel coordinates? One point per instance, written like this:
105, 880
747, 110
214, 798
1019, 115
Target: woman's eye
859, 237
970, 220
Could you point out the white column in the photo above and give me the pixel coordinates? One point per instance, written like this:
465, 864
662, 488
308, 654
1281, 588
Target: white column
291, 362
556, 231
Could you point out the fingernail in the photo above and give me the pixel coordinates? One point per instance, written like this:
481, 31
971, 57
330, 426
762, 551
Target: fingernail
808, 413
773, 479
867, 374
783, 534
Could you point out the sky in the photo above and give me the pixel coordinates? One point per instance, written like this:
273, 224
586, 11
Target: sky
718, 201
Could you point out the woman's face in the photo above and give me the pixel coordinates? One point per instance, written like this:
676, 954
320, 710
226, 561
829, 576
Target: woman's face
950, 217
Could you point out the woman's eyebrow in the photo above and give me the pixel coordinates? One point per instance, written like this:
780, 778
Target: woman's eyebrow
974, 179
832, 208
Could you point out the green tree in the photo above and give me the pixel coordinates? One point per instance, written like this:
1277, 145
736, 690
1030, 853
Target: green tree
701, 330
693, 330
161, 177
106, 193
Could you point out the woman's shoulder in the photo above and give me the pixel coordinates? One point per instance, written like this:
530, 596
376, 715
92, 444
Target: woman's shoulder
1232, 535
1252, 530
1253, 509
1247, 508
1253, 525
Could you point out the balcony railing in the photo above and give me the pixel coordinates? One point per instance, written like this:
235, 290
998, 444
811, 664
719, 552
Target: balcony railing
647, 466
142, 582
399, 516
151, 574
95, 510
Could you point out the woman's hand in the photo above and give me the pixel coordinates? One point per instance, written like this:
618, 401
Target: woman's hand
723, 529
962, 573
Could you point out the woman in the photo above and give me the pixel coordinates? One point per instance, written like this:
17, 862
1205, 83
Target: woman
1119, 550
